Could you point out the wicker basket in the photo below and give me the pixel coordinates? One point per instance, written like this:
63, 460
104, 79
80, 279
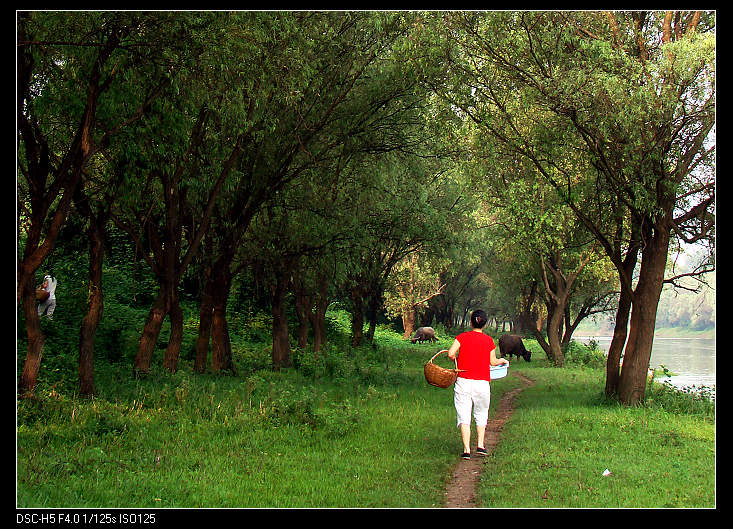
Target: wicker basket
440, 376
42, 295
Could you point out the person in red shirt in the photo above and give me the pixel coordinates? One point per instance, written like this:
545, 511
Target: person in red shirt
476, 352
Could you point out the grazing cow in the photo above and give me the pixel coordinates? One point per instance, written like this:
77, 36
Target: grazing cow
424, 333
510, 344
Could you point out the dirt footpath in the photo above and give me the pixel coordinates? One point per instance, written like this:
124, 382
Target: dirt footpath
461, 491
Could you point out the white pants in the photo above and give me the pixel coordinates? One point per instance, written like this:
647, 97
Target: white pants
47, 307
472, 394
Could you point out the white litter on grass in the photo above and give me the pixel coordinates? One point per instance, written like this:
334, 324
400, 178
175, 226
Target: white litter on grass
606, 472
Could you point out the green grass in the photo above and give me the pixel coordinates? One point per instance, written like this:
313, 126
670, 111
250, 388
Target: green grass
373, 434
351, 428
564, 435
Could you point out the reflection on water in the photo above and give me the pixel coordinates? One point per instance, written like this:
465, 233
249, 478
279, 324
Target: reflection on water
691, 359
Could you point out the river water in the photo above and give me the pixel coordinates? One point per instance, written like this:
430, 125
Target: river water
691, 359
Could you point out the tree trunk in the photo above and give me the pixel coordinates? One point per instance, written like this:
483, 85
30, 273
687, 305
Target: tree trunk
206, 317
280, 333
89, 324
304, 312
221, 345
408, 322
151, 331
546, 347
36, 340
213, 327
172, 351
633, 379
553, 336
617, 343
625, 270
371, 314
357, 318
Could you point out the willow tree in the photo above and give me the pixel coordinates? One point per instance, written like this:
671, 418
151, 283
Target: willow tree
620, 105
310, 85
83, 80
404, 205
294, 232
543, 245
175, 168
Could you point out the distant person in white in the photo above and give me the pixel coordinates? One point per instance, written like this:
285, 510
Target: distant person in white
47, 307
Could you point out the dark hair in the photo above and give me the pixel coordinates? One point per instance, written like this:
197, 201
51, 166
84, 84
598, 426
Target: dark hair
478, 319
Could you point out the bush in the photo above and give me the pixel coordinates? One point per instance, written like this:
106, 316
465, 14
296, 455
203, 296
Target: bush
250, 359
330, 362
689, 399
337, 419
585, 355
258, 328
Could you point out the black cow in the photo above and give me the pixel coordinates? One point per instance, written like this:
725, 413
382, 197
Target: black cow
510, 344
424, 333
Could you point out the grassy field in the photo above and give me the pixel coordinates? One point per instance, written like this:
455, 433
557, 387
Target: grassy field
563, 436
353, 428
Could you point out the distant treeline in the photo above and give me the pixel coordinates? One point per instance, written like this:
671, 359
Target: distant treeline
684, 308
678, 308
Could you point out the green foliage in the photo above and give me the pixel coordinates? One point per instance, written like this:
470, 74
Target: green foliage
692, 400
356, 158
589, 356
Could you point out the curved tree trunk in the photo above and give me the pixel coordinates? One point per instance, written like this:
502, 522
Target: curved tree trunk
151, 331
408, 323
213, 324
553, 335
620, 330
67, 177
173, 350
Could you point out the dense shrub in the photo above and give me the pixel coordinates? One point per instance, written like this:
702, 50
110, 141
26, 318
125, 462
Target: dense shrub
689, 399
585, 355
249, 358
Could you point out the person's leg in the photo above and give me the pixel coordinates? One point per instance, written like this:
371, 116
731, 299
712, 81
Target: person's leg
481, 401
51, 308
42, 308
480, 431
466, 437
463, 404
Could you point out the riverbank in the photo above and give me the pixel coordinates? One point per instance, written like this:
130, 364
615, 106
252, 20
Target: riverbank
687, 362
660, 332
674, 332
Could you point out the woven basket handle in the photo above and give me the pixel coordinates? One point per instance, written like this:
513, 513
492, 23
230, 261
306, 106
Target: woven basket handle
445, 351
